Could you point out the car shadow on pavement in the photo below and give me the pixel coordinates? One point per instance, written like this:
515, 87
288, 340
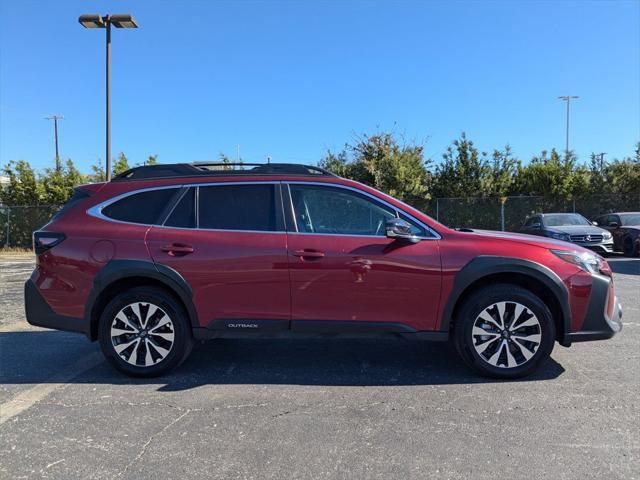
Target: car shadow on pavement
625, 266
32, 357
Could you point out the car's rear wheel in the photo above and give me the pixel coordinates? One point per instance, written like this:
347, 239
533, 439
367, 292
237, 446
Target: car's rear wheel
629, 248
504, 331
145, 332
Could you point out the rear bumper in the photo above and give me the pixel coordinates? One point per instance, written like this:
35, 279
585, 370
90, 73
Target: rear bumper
597, 324
40, 314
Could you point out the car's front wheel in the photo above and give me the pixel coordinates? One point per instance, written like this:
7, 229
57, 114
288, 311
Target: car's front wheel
504, 331
144, 332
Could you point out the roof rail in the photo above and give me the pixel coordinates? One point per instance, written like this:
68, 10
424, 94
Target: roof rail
173, 170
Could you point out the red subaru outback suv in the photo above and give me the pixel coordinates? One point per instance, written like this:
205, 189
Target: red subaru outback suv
164, 255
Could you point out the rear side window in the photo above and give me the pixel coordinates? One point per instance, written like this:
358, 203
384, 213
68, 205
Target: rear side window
144, 207
237, 207
184, 213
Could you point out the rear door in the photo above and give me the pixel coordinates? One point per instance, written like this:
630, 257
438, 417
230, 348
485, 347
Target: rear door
227, 240
346, 275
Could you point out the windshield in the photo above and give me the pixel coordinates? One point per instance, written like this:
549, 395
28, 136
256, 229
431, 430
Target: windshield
632, 219
564, 219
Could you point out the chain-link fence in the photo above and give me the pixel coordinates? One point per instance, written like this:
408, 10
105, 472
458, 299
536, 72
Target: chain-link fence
509, 213
18, 222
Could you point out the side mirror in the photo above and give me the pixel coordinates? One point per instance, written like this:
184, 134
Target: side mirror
536, 225
398, 229
613, 225
594, 223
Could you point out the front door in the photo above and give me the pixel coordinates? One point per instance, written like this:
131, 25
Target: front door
228, 242
346, 275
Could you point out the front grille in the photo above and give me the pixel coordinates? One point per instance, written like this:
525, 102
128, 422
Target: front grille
586, 238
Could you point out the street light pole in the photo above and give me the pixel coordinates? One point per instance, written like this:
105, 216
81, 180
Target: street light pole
118, 21
55, 119
567, 98
108, 96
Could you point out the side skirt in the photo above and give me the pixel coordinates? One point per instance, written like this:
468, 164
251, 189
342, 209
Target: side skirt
261, 328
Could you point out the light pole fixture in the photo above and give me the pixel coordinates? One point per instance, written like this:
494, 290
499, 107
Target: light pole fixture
120, 20
567, 98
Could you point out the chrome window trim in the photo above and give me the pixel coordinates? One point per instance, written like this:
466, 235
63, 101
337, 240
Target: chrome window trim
435, 234
96, 210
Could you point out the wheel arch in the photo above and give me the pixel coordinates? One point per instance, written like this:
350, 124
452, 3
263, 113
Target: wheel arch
487, 270
120, 275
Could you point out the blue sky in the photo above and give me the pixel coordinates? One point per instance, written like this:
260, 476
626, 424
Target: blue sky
293, 79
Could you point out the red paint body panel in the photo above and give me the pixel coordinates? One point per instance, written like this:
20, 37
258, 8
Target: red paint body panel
365, 278
237, 275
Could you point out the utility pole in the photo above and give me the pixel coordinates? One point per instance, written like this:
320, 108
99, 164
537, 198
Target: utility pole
55, 119
567, 98
268, 159
601, 156
238, 153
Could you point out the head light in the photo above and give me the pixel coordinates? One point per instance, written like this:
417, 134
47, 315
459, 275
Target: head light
587, 261
606, 235
560, 236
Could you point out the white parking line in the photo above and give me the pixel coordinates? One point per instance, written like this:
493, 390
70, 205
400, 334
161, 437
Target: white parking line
27, 399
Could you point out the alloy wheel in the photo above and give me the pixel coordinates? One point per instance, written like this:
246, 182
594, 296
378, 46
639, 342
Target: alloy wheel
142, 334
506, 334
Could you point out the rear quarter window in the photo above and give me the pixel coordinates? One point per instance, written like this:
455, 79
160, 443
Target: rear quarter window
144, 207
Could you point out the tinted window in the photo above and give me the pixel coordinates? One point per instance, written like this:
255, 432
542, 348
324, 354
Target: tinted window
144, 207
630, 219
184, 213
237, 207
334, 210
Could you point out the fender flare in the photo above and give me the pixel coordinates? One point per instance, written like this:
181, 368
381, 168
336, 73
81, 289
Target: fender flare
116, 270
485, 265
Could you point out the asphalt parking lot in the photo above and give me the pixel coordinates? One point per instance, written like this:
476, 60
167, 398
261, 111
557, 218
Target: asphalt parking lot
315, 409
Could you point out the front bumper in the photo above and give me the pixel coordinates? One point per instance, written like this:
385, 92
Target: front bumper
40, 314
601, 247
598, 325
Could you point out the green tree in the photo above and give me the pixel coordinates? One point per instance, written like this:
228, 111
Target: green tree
464, 171
98, 174
23, 188
383, 163
121, 165
58, 185
152, 160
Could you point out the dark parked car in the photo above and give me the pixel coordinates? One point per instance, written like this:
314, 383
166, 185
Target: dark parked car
625, 228
570, 227
164, 255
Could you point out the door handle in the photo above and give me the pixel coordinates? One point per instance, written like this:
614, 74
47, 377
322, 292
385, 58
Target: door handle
308, 254
177, 249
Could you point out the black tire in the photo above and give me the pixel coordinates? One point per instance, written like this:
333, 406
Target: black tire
629, 248
485, 301
150, 347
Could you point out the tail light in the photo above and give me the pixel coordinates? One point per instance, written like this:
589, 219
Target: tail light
43, 241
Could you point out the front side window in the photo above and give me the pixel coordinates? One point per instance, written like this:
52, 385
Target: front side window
144, 207
328, 210
237, 207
